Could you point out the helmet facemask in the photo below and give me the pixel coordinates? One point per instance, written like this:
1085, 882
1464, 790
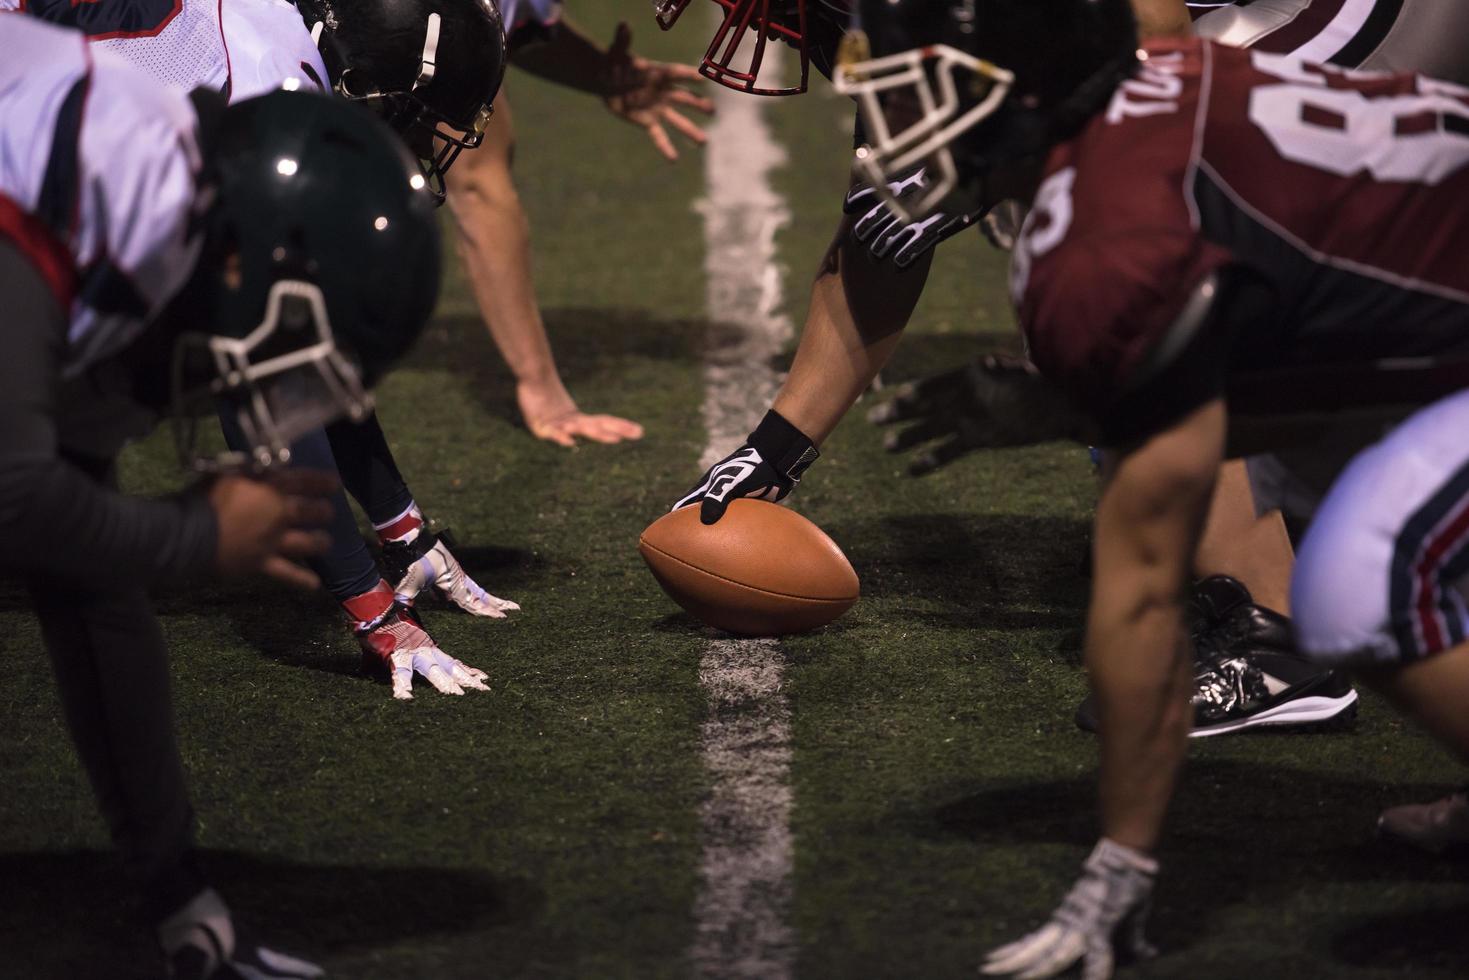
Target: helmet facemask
747, 21
915, 104
435, 138
283, 379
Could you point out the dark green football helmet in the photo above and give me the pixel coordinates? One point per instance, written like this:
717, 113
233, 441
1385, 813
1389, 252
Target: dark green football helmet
319, 267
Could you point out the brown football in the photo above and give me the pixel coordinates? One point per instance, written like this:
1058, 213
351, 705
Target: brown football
762, 570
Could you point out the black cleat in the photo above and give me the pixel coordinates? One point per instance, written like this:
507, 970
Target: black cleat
1247, 673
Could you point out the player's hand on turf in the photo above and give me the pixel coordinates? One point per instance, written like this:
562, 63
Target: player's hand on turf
649, 94
551, 414
1105, 911
202, 941
266, 525
396, 644
447, 674
886, 235
434, 565
990, 403
767, 467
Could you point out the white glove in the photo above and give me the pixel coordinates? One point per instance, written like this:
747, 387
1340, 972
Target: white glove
439, 568
1109, 902
201, 942
414, 652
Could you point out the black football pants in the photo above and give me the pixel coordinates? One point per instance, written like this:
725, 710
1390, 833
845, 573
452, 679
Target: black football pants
111, 667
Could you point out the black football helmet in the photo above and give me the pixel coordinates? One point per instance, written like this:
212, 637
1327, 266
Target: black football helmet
756, 21
318, 268
960, 86
430, 68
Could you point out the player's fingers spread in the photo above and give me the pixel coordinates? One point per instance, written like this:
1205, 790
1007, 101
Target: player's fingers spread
915, 435
553, 433
661, 142
938, 457
459, 667
441, 681
290, 573
684, 73
1057, 957
622, 428
888, 412
1016, 955
683, 125
466, 676
596, 430
403, 683
694, 101
874, 224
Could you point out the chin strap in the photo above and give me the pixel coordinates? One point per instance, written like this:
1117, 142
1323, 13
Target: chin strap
426, 65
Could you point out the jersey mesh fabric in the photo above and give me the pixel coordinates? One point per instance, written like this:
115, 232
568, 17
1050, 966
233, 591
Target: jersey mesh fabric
113, 172
189, 52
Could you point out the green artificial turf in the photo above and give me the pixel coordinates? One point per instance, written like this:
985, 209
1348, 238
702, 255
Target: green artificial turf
549, 829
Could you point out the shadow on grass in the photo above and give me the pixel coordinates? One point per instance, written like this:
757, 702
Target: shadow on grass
921, 355
973, 571
71, 914
991, 572
306, 629
589, 345
1422, 938
1242, 835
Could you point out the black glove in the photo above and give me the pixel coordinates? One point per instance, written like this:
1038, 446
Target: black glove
767, 467
1001, 224
885, 234
993, 402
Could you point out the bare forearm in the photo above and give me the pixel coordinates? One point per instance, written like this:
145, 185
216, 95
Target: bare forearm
859, 307
568, 57
499, 271
492, 235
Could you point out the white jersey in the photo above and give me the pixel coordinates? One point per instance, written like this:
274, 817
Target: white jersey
520, 14
242, 48
1424, 36
97, 182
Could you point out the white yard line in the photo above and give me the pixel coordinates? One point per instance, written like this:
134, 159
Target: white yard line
745, 889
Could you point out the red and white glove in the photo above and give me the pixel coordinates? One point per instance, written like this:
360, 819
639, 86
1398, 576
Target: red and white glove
394, 643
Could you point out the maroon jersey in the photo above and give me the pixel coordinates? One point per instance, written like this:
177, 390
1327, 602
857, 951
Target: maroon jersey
1345, 196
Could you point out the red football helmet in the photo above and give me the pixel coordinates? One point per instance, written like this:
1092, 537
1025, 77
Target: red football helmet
742, 18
